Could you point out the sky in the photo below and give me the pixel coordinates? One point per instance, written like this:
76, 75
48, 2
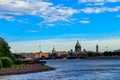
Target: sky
28, 24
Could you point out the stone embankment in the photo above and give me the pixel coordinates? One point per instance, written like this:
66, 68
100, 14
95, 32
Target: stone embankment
29, 68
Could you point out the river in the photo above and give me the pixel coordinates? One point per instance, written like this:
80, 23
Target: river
105, 69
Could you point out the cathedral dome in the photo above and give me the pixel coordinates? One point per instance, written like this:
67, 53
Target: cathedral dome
77, 47
77, 44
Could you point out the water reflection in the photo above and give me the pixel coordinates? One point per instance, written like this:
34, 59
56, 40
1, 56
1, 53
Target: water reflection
75, 70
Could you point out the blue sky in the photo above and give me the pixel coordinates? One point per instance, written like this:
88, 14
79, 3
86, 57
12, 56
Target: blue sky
27, 21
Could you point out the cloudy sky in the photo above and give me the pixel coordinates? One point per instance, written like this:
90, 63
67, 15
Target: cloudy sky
27, 24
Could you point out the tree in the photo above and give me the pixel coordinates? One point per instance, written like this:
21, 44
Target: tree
6, 62
18, 62
0, 64
4, 49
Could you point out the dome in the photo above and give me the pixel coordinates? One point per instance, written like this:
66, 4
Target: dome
77, 47
77, 44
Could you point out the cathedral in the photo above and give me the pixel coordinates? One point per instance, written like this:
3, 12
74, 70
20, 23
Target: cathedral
77, 47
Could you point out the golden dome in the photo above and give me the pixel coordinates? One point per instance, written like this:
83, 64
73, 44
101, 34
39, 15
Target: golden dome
77, 44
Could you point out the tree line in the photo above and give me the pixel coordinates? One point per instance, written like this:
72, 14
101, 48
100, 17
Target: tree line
7, 59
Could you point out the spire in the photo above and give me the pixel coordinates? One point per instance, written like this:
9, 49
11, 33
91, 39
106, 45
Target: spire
53, 50
53, 47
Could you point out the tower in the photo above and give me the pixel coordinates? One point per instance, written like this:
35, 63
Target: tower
77, 47
97, 48
53, 50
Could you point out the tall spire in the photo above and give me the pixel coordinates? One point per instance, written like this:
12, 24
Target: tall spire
53, 47
53, 50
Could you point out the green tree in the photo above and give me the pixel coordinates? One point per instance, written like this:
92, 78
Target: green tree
6, 62
18, 62
0, 64
4, 49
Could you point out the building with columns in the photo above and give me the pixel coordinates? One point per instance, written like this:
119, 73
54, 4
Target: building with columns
77, 47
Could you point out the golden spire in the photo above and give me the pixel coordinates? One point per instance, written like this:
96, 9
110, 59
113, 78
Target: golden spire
53, 49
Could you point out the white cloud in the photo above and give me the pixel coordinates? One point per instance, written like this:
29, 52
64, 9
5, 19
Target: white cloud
50, 24
85, 21
49, 12
86, 1
9, 18
92, 10
112, 0
46, 10
95, 4
100, 3
97, 1
100, 10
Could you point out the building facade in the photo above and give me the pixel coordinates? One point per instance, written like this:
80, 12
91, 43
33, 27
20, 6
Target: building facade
41, 55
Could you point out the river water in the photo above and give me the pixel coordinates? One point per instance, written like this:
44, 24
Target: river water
105, 69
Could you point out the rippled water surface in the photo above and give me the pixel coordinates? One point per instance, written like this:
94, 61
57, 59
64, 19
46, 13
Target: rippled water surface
107, 69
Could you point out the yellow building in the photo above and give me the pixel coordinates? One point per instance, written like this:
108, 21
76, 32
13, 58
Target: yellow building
41, 55
61, 53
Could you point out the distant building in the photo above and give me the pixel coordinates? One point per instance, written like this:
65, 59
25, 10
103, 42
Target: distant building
77, 47
28, 55
41, 55
58, 53
61, 53
35, 55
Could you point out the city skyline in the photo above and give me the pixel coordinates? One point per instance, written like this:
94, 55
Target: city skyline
26, 24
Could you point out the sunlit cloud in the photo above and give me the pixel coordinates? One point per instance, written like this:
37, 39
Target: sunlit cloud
46, 10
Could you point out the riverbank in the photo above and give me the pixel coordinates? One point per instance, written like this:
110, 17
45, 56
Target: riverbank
25, 69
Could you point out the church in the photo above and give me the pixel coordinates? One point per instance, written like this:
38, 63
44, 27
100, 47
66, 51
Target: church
77, 47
